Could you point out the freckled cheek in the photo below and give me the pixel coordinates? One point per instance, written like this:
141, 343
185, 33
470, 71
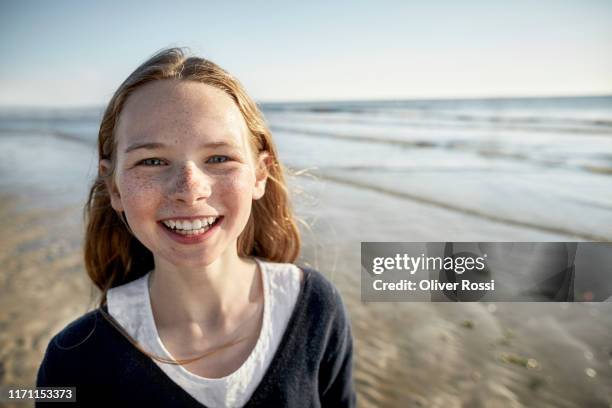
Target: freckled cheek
139, 193
235, 185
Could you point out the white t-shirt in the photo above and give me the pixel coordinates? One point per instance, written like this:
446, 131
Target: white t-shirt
130, 305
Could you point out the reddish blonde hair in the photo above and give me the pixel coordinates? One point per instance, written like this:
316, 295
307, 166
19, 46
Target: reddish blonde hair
113, 256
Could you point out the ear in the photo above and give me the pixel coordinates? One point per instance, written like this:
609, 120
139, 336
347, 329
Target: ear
261, 174
104, 169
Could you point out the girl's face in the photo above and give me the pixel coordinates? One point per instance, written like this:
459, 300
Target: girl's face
184, 160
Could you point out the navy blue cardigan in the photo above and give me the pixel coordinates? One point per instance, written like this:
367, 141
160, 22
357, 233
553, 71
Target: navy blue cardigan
311, 368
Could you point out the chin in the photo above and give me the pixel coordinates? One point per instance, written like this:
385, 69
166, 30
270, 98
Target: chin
200, 261
195, 263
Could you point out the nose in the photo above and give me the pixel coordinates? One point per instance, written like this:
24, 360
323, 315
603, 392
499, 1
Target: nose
190, 184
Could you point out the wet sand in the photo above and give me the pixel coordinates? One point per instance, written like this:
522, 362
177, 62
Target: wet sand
454, 354
42, 283
406, 354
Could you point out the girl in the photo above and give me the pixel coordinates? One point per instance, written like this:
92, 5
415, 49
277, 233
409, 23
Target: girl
191, 239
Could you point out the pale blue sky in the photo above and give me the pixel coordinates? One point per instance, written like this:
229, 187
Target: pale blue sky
70, 53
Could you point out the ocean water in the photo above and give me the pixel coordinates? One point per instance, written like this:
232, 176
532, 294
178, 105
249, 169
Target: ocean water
539, 164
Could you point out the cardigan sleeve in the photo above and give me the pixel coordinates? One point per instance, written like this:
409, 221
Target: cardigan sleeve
336, 379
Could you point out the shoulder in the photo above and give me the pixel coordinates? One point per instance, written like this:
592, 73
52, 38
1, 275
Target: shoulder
78, 346
320, 313
335, 359
324, 306
320, 290
78, 332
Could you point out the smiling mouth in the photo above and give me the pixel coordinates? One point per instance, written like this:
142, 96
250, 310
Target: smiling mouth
191, 227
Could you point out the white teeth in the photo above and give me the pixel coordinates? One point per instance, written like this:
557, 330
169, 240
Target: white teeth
187, 226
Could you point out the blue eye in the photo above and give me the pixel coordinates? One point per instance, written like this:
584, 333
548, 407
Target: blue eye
151, 162
218, 159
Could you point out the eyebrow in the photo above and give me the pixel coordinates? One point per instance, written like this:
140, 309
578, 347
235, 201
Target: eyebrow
157, 145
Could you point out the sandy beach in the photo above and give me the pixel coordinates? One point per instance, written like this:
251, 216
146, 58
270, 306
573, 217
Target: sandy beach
459, 354
406, 354
42, 282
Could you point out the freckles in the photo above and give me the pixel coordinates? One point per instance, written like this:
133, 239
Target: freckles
241, 183
185, 181
139, 190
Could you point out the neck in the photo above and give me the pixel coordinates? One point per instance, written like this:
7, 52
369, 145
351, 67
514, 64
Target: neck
210, 298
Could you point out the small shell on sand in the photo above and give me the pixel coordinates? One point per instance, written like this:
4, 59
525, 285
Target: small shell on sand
510, 358
468, 324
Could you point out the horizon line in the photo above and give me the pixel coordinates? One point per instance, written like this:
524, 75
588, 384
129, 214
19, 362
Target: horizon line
443, 98
352, 100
